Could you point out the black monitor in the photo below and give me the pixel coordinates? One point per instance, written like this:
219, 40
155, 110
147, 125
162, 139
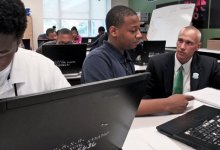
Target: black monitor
69, 58
151, 48
97, 115
42, 41
88, 40
27, 44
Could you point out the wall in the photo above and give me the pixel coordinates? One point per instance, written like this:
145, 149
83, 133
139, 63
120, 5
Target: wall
146, 6
119, 2
36, 7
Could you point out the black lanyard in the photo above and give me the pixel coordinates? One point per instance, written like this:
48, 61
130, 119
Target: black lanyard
14, 85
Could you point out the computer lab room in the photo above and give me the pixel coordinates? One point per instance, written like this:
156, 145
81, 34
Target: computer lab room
109, 74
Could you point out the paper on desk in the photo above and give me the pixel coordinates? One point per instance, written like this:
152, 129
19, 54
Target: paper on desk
136, 141
150, 139
207, 95
159, 141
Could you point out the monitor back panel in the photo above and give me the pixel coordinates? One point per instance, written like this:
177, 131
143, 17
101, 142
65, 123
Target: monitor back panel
151, 48
42, 41
69, 58
90, 116
27, 44
154, 46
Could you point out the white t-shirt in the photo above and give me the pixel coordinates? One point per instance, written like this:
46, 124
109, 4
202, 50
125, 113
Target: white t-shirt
32, 73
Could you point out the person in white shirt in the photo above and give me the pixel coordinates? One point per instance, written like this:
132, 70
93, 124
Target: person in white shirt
22, 71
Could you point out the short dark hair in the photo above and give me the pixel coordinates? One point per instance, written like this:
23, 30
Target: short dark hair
49, 30
64, 31
12, 18
101, 29
115, 17
74, 29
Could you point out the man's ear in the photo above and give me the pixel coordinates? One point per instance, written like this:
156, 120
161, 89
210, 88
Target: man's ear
19, 40
113, 31
199, 45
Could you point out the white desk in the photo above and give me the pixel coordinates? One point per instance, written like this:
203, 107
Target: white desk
144, 136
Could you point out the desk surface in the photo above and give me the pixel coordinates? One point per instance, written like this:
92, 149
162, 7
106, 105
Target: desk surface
144, 136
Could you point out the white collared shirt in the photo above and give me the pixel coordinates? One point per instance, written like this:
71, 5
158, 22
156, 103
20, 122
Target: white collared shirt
186, 73
32, 73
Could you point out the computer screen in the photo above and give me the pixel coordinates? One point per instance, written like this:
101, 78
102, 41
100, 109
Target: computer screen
96, 115
88, 40
69, 58
27, 44
42, 41
151, 48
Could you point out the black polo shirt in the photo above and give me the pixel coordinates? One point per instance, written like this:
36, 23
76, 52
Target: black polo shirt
106, 62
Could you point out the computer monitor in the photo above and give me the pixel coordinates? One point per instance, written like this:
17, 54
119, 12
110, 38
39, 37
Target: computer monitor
88, 40
69, 58
88, 116
42, 41
26, 43
151, 48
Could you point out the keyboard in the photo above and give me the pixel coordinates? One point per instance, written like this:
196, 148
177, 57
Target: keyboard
208, 131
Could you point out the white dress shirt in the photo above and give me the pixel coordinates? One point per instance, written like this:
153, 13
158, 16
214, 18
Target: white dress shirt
32, 73
186, 73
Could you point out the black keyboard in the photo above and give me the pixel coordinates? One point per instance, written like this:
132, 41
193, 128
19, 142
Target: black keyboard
208, 131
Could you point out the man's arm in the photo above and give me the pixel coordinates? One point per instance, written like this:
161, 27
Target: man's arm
174, 104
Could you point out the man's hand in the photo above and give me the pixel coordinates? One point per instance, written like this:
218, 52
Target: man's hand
177, 103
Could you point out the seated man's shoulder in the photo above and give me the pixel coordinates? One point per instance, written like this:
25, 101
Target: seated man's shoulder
208, 58
32, 57
99, 51
42, 37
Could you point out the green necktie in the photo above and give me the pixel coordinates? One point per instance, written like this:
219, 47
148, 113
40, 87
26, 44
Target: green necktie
178, 83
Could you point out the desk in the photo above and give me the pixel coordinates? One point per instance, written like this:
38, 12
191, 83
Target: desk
144, 136
73, 79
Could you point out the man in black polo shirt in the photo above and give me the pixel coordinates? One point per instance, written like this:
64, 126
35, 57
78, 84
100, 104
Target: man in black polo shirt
111, 60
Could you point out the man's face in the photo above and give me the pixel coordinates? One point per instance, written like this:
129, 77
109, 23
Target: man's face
8, 46
128, 34
64, 39
52, 36
187, 43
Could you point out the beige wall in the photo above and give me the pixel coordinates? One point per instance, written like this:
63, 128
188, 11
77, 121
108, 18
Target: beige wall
36, 7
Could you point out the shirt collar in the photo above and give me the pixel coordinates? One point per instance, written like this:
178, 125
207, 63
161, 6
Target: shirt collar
186, 66
4, 74
114, 51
